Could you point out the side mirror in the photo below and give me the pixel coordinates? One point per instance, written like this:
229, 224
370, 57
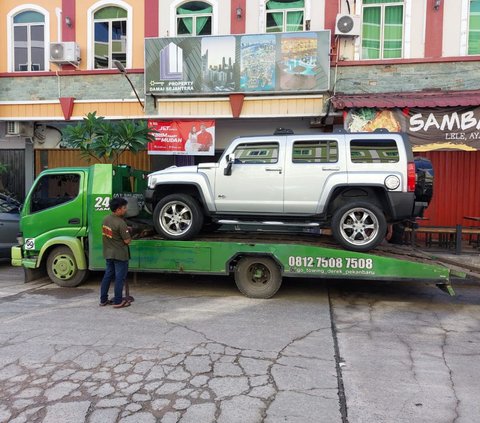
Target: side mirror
230, 160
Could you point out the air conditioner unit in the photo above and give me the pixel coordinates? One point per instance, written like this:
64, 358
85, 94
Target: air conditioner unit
66, 52
22, 129
348, 25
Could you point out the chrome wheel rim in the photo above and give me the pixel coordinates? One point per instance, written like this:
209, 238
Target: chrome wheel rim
359, 226
176, 218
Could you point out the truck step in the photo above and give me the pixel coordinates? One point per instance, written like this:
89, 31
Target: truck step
268, 223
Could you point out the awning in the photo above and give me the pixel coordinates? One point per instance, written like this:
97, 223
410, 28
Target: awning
407, 99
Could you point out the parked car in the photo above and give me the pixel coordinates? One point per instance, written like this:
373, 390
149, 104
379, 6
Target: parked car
354, 183
9, 224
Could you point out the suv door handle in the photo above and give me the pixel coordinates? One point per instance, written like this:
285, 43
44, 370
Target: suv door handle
74, 221
273, 169
331, 168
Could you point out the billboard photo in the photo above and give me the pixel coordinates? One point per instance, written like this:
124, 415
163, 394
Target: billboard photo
260, 63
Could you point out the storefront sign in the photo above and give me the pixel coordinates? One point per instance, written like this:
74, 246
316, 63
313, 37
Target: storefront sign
260, 63
456, 128
194, 137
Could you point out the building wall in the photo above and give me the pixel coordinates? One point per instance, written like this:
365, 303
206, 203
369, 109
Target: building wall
452, 27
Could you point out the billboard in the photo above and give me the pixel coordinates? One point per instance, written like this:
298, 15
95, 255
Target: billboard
452, 128
193, 137
289, 62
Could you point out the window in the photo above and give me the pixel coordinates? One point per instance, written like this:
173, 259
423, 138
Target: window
374, 151
53, 190
382, 29
261, 153
474, 28
194, 18
28, 41
110, 37
285, 15
315, 152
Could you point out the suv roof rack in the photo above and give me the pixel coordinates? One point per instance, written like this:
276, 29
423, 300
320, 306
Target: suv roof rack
283, 131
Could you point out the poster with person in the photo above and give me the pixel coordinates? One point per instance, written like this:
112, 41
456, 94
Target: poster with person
194, 137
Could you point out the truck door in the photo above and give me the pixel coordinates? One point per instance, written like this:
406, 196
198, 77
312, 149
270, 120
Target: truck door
55, 206
255, 184
314, 166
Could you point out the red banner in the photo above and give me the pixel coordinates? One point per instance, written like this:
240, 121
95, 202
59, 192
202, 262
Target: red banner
193, 137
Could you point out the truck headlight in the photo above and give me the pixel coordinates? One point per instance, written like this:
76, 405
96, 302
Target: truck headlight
392, 182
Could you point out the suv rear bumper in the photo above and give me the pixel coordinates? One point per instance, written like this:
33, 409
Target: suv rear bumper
404, 206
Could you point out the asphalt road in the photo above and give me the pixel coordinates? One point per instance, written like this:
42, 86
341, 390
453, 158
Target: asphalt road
196, 350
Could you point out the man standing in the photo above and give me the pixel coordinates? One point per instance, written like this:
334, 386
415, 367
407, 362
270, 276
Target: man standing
116, 238
204, 139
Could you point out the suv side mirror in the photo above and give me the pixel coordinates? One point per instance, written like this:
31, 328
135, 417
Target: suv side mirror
230, 160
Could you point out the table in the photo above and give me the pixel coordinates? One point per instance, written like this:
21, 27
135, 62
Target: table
474, 218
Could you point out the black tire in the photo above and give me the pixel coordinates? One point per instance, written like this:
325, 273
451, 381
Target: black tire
359, 226
210, 227
258, 277
178, 216
62, 268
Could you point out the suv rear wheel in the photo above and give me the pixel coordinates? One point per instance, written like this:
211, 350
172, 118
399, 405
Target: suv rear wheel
178, 216
359, 226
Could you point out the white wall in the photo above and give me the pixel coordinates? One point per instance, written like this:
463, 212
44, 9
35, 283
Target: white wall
452, 17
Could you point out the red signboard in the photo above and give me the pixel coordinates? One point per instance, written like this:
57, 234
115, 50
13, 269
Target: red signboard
193, 137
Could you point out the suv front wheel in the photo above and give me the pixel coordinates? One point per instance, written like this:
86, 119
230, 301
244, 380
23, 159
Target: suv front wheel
178, 216
359, 226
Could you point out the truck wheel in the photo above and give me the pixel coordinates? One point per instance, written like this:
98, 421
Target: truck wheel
359, 226
62, 268
178, 216
258, 277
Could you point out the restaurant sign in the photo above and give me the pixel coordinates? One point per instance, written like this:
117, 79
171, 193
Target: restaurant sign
250, 63
454, 128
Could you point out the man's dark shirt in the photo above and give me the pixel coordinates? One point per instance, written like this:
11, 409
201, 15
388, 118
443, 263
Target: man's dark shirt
115, 231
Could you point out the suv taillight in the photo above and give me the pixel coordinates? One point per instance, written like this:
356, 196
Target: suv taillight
411, 177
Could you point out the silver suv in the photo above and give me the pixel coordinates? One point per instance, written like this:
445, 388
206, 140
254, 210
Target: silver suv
353, 183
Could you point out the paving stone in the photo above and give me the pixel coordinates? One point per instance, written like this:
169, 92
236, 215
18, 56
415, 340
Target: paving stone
62, 374
175, 360
199, 380
200, 351
141, 397
108, 415
205, 395
102, 376
184, 392
215, 348
149, 387
198, 364
139, 418
23, 403
258, 380
143, 367
156, 372
253, 367
259, 354
122, 385
181, 404
131, 389
134, 378
67, 412
159, 404
171, 417
226, 369
114, 402
80, 376
204, 413
105, 390
179, 374
170, 388
241, 409
20, 378
133, 407
122, 368
88, 360
4, 414
60, 390
232, 351
10, 371
40, 381
228, 386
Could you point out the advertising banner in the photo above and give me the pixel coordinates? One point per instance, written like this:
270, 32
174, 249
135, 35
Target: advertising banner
259, 63
193, 137
453, 128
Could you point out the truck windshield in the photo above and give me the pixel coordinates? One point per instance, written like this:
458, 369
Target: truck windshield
52, 190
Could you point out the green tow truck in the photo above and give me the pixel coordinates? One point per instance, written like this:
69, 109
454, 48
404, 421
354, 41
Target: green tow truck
61, 234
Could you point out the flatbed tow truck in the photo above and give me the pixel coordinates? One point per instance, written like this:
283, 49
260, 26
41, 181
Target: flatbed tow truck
61, 234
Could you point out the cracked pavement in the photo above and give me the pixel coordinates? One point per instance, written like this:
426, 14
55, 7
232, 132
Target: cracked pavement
196, 350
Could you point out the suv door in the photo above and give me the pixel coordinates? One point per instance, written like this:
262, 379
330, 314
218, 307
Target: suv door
55, 206
314, 166
255, 184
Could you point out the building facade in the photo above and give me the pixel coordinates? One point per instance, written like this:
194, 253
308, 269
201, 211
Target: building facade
402, 58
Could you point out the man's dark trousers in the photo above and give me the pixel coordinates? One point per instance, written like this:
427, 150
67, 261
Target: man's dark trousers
116, 269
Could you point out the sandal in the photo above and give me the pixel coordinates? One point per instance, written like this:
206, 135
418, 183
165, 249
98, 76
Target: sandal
124, 303
108, 302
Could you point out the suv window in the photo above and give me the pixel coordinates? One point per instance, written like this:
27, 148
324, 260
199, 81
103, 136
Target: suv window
258, 153
315, 152
374, 151
52, 190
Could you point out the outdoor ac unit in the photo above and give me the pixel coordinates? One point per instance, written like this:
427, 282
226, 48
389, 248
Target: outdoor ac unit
348, 25
66, 52
16, 128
